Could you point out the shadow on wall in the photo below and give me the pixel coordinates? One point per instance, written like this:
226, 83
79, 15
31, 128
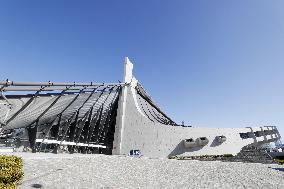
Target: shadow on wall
215, 143
180, 149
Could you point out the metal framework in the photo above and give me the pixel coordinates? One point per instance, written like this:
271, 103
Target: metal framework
150, 109
68, 116
73, 117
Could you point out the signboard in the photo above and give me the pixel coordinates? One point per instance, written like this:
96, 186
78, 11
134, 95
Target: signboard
134, 153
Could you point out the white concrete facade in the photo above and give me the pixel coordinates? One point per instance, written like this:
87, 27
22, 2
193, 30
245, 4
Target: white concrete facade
134, 131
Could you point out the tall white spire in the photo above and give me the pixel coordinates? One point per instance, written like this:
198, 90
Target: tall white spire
128, 67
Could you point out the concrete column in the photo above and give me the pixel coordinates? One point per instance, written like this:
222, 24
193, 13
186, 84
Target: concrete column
120, 118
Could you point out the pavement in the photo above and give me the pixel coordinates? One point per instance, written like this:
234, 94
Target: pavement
82, 171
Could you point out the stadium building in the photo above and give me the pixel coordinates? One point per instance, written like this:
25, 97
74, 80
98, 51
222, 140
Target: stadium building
108, 118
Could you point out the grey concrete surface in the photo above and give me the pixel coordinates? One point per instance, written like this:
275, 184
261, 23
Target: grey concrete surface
154, 139
76, 171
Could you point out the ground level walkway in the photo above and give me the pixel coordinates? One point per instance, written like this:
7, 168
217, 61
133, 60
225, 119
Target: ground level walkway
75, 171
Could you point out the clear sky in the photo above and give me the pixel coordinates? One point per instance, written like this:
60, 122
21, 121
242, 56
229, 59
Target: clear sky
209, 63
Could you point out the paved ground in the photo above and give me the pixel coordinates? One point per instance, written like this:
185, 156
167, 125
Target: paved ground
78, 171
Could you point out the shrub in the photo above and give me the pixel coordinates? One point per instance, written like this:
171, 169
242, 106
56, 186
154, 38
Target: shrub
10, 171
7, 186
280, 161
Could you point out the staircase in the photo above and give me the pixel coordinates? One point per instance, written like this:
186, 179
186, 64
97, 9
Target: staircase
252, 154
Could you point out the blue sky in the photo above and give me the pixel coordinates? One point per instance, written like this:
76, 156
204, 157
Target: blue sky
209, 63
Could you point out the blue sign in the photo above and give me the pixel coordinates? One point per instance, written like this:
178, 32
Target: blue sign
134, 153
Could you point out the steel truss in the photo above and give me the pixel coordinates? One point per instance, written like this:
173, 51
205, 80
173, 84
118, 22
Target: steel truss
83, 123
150, 109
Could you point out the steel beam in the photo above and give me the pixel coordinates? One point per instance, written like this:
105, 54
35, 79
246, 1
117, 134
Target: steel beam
102, 122
87, 99
171, 122
96, 126
50, 106
107, 119
84, 121
144, 110
23, 107
15, 83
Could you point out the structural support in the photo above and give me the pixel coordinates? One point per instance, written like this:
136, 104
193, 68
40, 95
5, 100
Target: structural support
32, 137
57, 126
97, 126
109, 117
54, 133
105, 119
127, 78
23, 107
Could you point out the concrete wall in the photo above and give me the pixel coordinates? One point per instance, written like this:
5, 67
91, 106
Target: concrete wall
134, 131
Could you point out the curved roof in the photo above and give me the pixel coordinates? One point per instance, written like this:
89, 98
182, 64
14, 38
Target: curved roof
43, 107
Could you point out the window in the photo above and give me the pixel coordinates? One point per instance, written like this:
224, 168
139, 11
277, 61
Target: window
244, 135
189, 140
257, 134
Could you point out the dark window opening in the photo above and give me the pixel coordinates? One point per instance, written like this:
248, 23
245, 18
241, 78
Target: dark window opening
257, 134
244, 135
189, 140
